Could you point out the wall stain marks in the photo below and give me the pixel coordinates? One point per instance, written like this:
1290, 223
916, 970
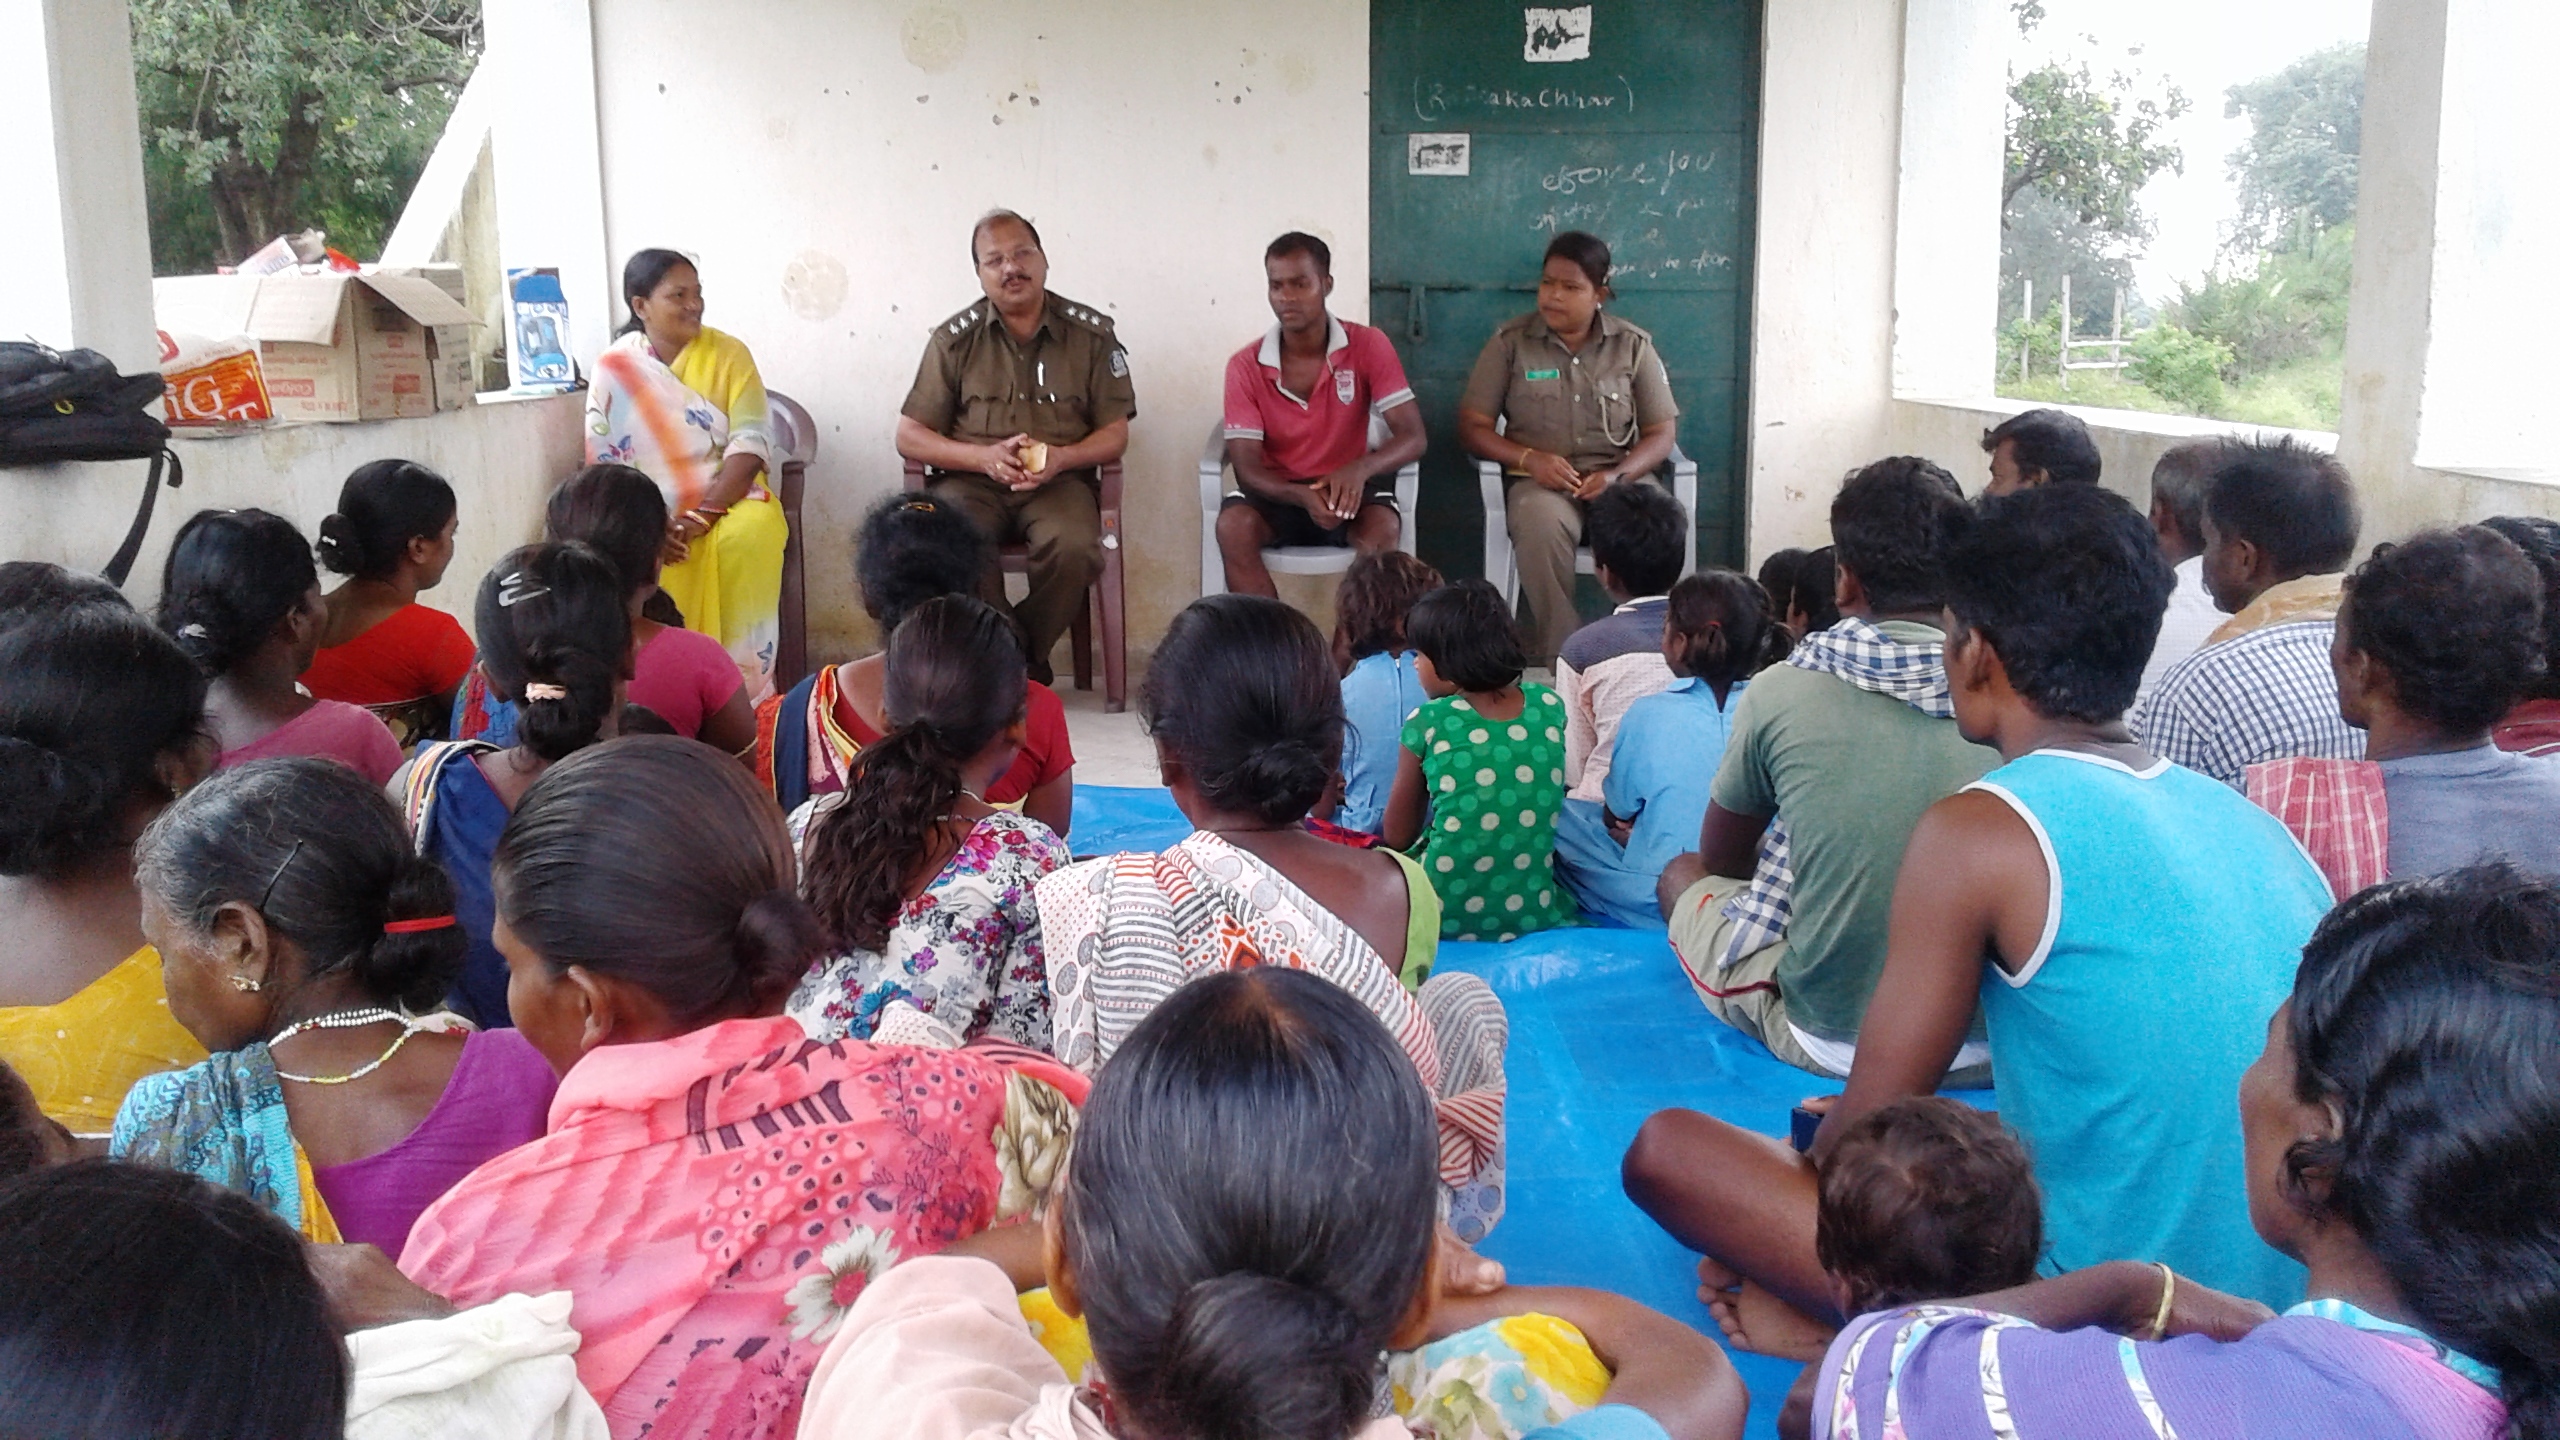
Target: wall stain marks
814, 285
1297, 73
934, 37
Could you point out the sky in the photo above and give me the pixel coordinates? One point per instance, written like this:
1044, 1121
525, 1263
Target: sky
2204, 47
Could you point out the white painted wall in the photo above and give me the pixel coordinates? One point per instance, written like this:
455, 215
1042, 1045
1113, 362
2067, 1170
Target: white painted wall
1946, 233
826, 158
2419, 259
502, 458
2129, 443
2492, 399
1823, 287
545, 147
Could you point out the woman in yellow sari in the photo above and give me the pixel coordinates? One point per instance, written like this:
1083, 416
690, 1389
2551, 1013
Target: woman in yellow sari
101, 725
682, 402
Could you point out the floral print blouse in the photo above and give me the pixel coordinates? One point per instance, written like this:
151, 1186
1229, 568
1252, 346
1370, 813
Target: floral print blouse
966, 951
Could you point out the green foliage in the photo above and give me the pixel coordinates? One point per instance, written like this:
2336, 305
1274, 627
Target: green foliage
2297, 174
2044, 241
2040, 338
2090, 145
2279, 308
267, 116
2180, 367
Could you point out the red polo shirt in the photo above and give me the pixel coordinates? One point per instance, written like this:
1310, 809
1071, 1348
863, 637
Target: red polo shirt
1306, 437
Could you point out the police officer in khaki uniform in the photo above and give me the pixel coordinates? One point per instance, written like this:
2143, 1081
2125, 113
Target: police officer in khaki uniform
1584, 402
1019, 397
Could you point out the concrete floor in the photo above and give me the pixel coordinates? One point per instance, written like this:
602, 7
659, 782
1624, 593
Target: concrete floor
1110, 749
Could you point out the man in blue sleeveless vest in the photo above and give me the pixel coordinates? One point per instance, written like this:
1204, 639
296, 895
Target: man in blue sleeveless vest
2128, 927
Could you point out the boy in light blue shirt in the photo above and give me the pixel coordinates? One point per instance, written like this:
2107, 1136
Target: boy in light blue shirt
1716, 631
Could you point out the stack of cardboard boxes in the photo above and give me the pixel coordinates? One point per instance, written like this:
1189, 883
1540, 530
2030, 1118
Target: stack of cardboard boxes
378, 344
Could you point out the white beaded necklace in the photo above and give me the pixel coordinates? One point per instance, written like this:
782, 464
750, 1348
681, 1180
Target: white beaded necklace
348, 1020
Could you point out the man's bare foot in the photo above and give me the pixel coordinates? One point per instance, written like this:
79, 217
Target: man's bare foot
1716, 1281
1760, 1323
1755, 1321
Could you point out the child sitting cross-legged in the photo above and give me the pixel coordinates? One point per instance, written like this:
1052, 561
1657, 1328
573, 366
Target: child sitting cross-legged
1381, 681
1248, 1291
1639, 537
1482, 771
1716, 633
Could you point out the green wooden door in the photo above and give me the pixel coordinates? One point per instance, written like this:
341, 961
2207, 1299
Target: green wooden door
1646, 137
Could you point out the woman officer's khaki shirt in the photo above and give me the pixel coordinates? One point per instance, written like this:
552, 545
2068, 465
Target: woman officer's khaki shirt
1587, 407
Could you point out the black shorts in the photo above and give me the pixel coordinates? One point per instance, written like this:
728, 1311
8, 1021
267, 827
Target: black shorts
1293, 525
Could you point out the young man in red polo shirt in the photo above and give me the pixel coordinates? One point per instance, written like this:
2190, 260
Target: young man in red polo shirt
1299, 403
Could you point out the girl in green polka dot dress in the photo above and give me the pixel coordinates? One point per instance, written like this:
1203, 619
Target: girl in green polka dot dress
1482, 774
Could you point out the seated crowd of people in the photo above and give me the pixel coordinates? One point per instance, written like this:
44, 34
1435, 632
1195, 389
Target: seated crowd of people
555, 1029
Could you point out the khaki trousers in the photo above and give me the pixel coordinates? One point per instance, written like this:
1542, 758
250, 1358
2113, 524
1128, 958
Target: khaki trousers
1546, 527
1060, 523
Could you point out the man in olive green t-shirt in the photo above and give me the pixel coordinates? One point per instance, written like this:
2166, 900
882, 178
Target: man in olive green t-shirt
1848, 744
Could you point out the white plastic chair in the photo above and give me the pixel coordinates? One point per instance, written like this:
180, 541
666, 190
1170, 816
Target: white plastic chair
1502, 567
1290, 559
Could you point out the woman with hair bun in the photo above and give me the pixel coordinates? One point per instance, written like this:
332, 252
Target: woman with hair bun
392, 536
101, 725
1247, 1292
1246, 710
555, 640
308, 947
925, 887
242, 598
717, 1188
2401, 1130
912, 547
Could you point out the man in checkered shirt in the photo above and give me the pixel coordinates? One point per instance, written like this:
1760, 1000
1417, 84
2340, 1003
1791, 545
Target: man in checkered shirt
2280, 525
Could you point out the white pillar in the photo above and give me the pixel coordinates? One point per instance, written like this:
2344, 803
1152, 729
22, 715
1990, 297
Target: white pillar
1946, 249
76, 247
548, 152
2449, 383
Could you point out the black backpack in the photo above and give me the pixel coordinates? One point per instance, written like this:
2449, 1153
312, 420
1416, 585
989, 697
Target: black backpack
58, 405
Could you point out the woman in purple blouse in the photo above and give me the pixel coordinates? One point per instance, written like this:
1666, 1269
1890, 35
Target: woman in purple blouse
2403, 1131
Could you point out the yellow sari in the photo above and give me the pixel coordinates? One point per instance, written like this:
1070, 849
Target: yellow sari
80, 1056
677, 422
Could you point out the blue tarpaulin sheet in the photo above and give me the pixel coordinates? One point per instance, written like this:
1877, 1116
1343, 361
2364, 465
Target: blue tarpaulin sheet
1604, 1031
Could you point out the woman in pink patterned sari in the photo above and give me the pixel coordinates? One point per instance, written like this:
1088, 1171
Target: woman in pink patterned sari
716, 1189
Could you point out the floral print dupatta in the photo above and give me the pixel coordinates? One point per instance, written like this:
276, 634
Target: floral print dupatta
716, 1202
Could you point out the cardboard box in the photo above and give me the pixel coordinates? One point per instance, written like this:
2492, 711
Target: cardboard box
449, 348
331, 346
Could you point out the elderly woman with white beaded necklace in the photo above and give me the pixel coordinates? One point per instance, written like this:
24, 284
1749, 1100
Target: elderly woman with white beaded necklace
309, 946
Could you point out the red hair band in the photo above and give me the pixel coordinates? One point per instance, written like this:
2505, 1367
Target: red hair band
418, 927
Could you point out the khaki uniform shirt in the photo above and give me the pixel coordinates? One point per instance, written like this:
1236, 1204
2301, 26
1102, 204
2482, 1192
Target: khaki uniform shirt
1587, 407
977, 386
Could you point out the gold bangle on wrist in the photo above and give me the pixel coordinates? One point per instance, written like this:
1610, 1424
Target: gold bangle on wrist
2168, 1294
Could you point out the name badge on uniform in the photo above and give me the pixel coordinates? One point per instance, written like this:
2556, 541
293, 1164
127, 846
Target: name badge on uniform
1345, 386
1540, 374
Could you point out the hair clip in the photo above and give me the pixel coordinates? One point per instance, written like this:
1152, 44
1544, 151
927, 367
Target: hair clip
419, 927
515, 587
281, 866
540, 691
193, 632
